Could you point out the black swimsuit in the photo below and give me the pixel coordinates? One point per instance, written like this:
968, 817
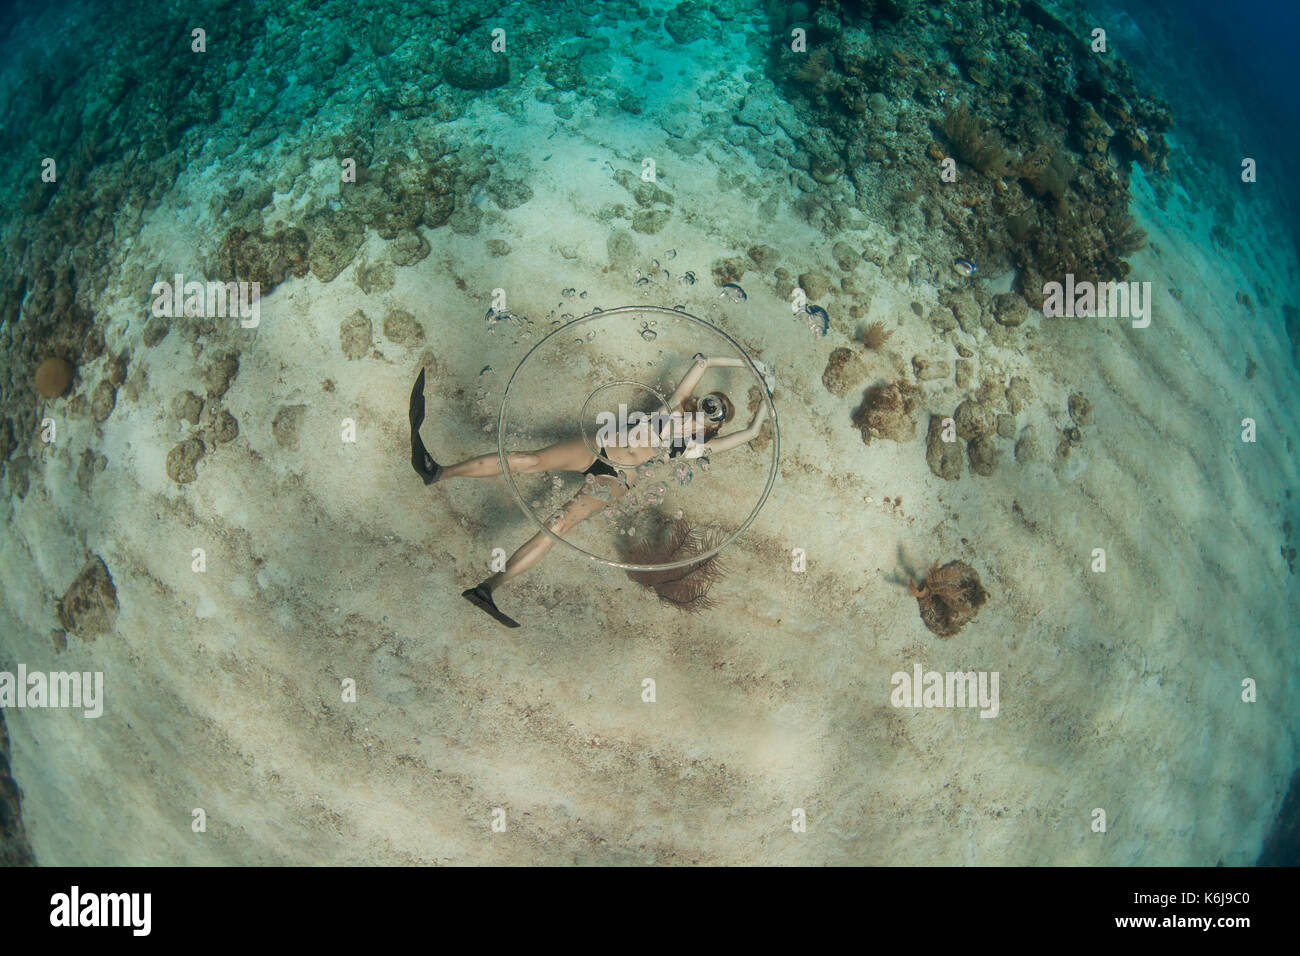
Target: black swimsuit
601, 467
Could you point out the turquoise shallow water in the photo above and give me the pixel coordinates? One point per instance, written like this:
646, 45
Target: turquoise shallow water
874, 202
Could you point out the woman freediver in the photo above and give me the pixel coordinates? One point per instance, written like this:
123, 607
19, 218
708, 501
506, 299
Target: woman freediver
689, 429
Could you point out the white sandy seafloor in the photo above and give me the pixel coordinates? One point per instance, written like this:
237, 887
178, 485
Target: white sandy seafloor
1119, 690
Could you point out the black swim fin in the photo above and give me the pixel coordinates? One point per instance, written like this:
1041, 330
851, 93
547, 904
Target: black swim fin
481, 597
421, 460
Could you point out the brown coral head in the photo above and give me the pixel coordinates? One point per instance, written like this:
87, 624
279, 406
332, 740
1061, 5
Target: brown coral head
886, 412
54, 377
949, 597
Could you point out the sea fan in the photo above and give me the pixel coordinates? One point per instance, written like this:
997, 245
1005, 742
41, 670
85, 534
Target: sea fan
976, 143
875, 335
814, 68
686, 587
941, 582
1126, 237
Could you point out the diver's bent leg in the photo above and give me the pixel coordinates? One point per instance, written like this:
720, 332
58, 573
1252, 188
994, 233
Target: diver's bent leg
581, 507
532, 551
523, 559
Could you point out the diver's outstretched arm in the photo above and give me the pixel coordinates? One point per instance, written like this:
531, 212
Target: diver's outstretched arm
692, 378
688, 382
745, 435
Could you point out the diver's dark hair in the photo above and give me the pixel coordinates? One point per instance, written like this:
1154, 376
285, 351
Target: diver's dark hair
711, 428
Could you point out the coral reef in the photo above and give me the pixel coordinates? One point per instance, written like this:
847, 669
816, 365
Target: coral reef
685, 588
267, 260
886, 412
930, 370
949, 597
287, 424
1018, 394
943, 457
815, 284
692, 20
470, 66
221, 373
1010, 309
89, 607
975, 143
844, 372
983, 455
974, 419
1080, 409
183, 459
1027, 450
333, 239
356, 335
403, 328
1050, 128
14, 848
103, 400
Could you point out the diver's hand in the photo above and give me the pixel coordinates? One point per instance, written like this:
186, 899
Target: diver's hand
769, 380
701, 361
